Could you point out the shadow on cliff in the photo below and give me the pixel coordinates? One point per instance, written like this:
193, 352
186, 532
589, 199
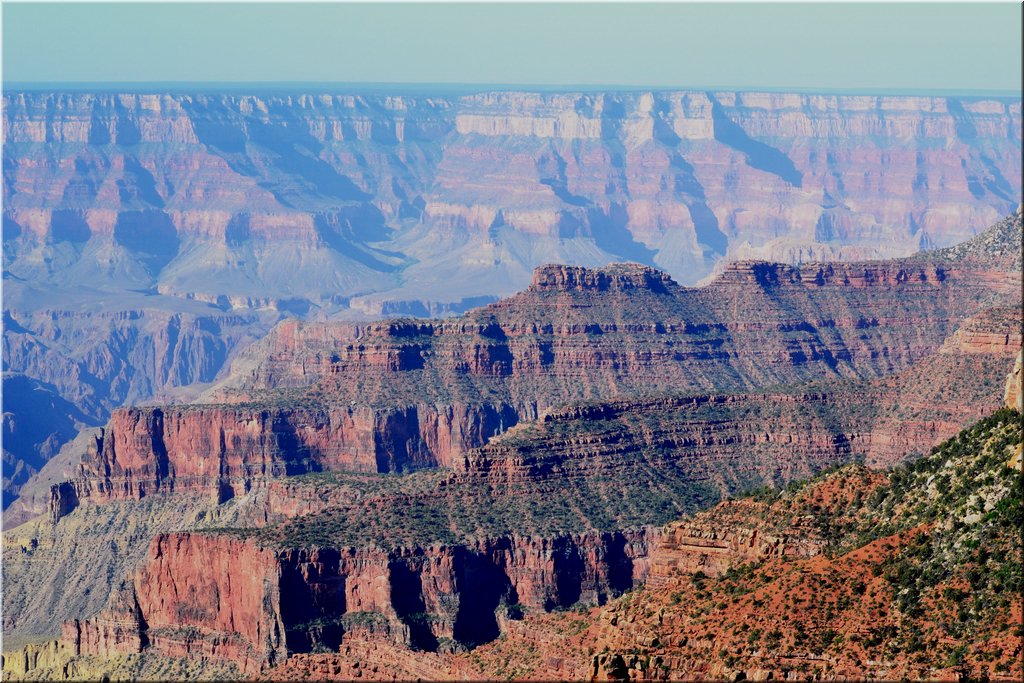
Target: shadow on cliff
37, 421
989, 177
407, 599
150, 236
346, 230
484, 586
312, 610
611, 234
301, 459
759, 155
289, 149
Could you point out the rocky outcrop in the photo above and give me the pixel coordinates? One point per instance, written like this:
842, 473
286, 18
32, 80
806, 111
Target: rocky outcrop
212, 595
227, 450
992, 331
35, 657
628, 321
620, 278
719, 440
119, 629
228, 598
360, 573
714, 542
1013, 395
435, 595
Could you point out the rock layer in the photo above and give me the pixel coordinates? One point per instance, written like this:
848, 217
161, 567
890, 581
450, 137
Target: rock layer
404, 395
624, 173
229, 599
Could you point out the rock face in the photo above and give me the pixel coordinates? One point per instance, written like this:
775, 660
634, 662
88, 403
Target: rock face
816, 581
76, 366
1013, 396
228, 450
119, 629
681, 178
35, 657
612, 465
223, 588
230, 599
332, 591
712, 546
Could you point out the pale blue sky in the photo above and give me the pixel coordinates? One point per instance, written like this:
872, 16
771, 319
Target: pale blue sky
940, 47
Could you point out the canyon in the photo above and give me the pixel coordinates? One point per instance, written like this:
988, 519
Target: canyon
506, 384
149, 237
407, 491
306, 608
404, 395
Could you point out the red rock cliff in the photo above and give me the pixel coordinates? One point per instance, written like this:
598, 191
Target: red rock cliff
228, 598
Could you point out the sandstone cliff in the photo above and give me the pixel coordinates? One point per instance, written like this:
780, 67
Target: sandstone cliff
76, 366
227, 599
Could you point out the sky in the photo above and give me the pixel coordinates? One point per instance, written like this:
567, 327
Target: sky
868, 47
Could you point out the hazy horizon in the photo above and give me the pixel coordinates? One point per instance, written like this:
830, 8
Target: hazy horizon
912, 48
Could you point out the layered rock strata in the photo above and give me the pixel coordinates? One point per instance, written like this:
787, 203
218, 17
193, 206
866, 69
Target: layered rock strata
149, 234
230, 599
179, 181
404, 395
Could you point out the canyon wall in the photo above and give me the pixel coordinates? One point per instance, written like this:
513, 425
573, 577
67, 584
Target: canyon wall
402, 395
607, 465
676, 179
228, 449
65, 370
149, 235
227, 598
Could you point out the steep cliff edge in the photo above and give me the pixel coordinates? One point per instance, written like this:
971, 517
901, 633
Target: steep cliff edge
84, 361
228, 599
